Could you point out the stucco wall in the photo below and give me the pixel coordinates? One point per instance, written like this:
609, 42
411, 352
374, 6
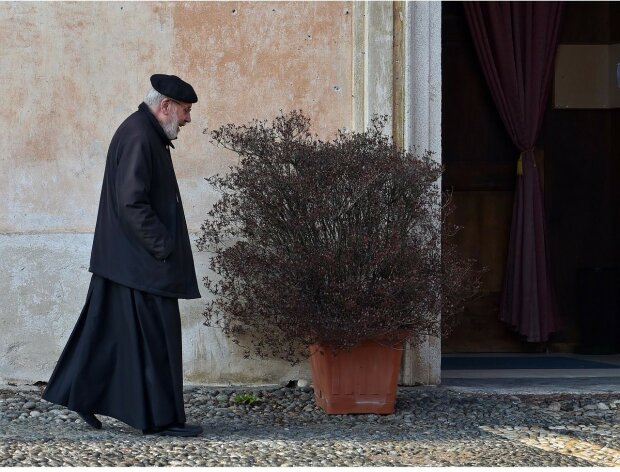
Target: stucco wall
70, 73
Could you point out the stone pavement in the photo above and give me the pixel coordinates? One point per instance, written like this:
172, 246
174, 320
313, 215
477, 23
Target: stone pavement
449, 425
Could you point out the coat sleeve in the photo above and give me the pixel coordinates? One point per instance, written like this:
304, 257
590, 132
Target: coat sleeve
132, 186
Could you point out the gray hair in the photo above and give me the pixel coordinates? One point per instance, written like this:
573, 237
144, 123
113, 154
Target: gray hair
153, 98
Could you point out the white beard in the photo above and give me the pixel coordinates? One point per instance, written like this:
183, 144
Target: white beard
171, 127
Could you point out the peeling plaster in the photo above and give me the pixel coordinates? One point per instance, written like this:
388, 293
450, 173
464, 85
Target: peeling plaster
73, 71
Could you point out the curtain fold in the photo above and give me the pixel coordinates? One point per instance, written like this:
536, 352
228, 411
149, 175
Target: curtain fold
516, 43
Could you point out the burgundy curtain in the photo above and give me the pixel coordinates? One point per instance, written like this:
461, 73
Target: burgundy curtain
516, 44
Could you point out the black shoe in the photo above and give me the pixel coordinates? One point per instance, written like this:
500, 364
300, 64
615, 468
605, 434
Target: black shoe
90, 419
177, 429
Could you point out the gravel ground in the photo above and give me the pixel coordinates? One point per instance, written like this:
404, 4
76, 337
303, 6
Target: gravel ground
432, 426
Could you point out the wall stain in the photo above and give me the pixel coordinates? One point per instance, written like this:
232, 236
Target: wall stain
75, 70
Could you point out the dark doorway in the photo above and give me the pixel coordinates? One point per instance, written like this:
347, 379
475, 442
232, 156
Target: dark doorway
580, 158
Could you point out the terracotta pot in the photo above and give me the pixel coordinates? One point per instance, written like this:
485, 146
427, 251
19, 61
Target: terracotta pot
362, 380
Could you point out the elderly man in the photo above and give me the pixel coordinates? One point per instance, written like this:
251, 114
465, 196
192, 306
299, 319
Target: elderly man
124, 356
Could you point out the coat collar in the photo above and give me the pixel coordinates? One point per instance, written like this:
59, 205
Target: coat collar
143, 107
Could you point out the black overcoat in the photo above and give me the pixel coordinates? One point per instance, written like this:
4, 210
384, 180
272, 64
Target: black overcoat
141, 239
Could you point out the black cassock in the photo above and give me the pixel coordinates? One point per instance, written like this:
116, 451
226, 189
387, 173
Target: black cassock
124, 356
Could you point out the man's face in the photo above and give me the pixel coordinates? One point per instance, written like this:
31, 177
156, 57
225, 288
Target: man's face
178, 114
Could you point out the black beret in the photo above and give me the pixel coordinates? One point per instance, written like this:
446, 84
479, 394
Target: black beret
173, 87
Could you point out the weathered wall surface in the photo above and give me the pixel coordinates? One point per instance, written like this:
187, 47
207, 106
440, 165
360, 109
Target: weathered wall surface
70, 73
422, 130
379, 65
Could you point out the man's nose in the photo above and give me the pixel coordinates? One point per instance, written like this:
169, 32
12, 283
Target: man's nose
188, 118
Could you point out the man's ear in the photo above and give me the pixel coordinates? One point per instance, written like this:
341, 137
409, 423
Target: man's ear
164, 106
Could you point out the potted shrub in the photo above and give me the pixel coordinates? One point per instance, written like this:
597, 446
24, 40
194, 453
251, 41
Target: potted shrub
325, 247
